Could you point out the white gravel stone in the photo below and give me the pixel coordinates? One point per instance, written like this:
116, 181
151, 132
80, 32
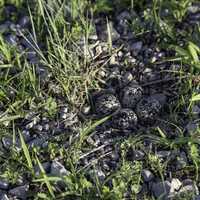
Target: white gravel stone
147, 175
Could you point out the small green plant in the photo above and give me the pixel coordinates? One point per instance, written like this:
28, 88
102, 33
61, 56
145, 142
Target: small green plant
188, 55
51, 106
103, 6
194, 153
177, 8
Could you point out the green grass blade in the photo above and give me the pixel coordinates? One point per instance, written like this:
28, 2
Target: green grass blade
26, 152
89, 129
195, 98
9, 118
162, 134
193, 52
46, 179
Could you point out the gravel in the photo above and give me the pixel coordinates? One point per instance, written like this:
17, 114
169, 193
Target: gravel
4, 197
57, 169
46, 166
147, 175
24, 22
195, 111
181, 161
136, 47
39, 142
189, 189
197, 197
163, 154
176, 184
4, 185
133, 155
26, 135
161, 189
8, 144
20, 192
191, 127
11, 39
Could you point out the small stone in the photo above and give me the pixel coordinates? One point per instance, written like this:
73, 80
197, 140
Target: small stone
163, 154
4, 185
147, 175
187, 182
197, 197
65, 109
63, 115
91, 141
191, 127
195, 7
127, 78
24, 21
8, 143
4, 197
11, 39
86, 110
195, 17
38, 128
120, 54
57, 169
189, 189
20, 192
133, 155
31, 55
5, 26
46, 166
46, 127
123, 15
123, 24
14, 27
161, 189
153, 59
93, 37
39, 142
181, 161
176, 184
30, 125
102, 73
136, 47
9, 10
34, 61
195, 111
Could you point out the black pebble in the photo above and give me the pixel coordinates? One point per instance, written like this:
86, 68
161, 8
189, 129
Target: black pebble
24, 21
